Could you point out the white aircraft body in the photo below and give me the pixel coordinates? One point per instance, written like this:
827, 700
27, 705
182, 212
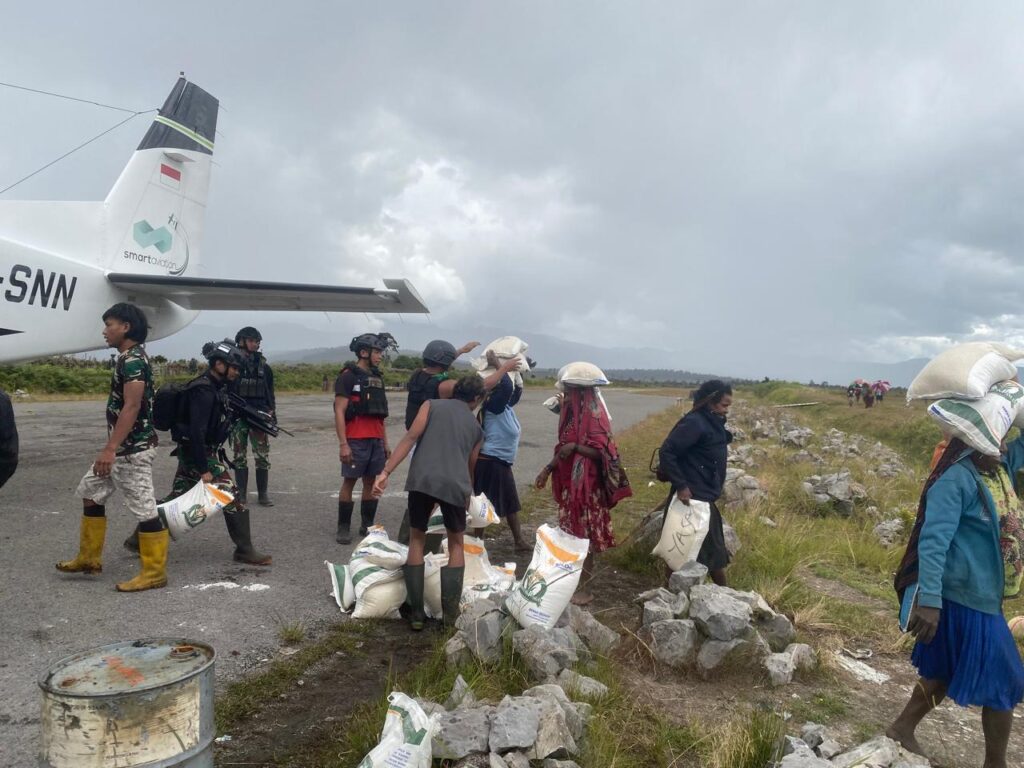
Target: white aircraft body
62, 264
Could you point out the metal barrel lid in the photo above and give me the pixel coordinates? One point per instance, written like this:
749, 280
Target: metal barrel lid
127, 667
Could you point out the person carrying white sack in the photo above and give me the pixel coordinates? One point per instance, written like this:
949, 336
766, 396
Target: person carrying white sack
447, 439
694, 458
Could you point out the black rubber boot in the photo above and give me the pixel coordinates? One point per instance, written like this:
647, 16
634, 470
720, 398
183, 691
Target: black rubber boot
262, 478
242, 486
414, 595
451, 593
344, 535
238, 528
367, 514
132, 542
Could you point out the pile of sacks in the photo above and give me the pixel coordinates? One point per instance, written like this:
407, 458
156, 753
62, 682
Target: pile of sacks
837, 491
703, 626
374, 585
977, 395
816, 749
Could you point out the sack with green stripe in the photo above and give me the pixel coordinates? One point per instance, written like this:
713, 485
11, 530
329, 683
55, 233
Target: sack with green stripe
341, 585
406, 740
380, 550
379, 590
982, 424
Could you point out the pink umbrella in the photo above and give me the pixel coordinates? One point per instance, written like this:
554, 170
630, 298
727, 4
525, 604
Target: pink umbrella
881, 386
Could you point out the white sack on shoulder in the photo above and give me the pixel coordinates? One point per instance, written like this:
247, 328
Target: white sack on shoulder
581, 375
341, 585
193, 508
683, 533
965, 371
546, 588
406, 739
982, 424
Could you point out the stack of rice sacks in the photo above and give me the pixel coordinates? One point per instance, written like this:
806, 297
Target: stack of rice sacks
372, 581
976, 393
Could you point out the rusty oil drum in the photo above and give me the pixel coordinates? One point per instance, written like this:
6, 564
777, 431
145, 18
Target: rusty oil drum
139, 704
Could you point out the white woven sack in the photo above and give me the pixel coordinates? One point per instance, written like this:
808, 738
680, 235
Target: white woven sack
432, 565
683, 533
341, 585
581, 375
966, 371
481, 512
381, 600
478, 565
379, 549
982, 424
407, 736
546, 588
379, 590
193, 508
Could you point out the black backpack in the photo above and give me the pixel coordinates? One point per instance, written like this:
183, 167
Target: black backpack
168, 403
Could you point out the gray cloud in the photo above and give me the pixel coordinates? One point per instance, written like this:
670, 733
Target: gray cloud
739, 186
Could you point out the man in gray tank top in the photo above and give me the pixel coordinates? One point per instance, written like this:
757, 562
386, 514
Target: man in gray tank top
447, 438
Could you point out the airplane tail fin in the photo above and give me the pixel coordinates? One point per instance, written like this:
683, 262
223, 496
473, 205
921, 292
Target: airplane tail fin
156, 209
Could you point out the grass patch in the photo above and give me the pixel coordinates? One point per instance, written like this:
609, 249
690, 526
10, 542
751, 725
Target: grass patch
246, 697
822, 708
292, 632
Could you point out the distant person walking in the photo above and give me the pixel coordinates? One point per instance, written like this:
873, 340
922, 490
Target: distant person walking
869, 396
587, 478
694, 456
963, 560
850, 391
447, 439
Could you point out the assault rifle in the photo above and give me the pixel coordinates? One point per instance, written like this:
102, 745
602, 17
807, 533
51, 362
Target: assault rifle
263, 421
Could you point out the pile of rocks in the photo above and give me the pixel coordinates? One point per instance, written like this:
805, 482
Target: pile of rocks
702, 626
798, 437
544, 723
815, 749
745, 454
886, 462
741, 488
890, 532
837, 491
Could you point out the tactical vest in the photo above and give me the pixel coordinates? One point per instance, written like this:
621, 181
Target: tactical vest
368, 397
422, 386
252, 379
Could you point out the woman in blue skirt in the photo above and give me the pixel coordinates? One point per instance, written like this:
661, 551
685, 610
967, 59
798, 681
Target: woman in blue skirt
963, 558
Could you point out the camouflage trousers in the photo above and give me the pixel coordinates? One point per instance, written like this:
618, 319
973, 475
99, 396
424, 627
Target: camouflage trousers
188, 474
244, 434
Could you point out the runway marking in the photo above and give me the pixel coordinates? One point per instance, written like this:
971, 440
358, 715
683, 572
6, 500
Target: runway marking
228, 585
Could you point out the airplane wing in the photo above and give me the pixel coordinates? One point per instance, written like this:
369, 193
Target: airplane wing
202, 293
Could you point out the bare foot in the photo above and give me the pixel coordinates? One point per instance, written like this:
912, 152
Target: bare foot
582, 598
905, 740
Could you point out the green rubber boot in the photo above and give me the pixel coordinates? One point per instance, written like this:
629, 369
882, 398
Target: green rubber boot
414, 595
451, 593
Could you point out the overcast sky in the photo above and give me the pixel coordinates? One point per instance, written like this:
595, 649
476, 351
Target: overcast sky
734, 183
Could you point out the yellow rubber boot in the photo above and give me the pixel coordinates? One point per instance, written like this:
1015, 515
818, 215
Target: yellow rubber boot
153, 554
90, 547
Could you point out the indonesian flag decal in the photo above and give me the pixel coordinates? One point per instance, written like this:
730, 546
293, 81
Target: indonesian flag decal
170, 176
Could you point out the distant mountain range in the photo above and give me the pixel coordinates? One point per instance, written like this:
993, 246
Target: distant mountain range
294, 343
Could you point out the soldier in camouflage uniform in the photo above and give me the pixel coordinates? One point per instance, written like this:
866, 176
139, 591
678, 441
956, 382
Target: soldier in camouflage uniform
255, 384
126, 461
199, 443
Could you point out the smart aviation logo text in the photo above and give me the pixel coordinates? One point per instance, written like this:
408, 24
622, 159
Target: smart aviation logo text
161, 239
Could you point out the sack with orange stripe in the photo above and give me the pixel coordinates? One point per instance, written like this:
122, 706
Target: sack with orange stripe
194, 507
546, 588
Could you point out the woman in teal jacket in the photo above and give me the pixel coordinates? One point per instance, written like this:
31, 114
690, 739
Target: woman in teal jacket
962, 560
